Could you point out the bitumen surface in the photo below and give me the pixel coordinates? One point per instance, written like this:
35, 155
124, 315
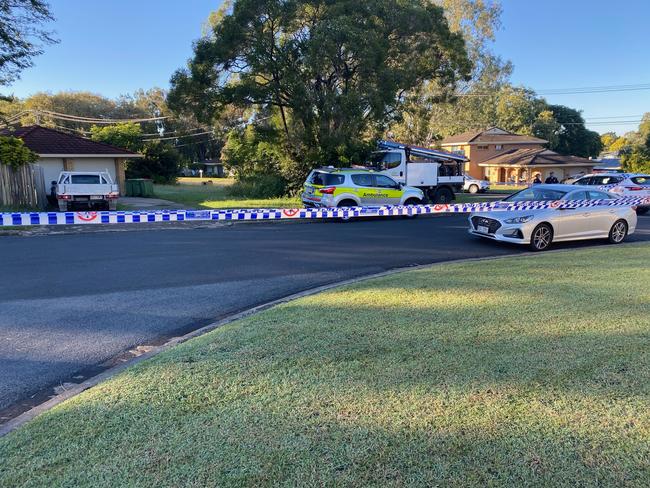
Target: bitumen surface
71, 302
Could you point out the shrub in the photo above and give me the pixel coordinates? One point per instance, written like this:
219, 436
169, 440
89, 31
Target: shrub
14, 153
161, 163
259, 186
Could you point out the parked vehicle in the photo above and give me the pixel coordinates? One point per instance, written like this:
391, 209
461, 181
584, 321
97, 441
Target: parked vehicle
86, 189
438, 174
472, 185
539, 228
330, 187
621, 184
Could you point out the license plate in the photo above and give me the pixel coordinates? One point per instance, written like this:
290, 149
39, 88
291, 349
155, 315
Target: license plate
482, 229
96, 197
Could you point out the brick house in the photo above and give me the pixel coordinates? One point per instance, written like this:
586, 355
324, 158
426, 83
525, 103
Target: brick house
479, 146
521, 165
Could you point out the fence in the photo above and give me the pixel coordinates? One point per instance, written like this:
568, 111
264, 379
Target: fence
23, 187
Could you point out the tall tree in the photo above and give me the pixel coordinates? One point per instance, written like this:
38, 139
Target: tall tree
22, 35
574, 138
432, 112
335, 72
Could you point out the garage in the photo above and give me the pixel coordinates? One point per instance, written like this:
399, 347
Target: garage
59, 151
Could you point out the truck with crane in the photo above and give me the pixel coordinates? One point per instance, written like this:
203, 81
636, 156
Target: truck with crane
439, 174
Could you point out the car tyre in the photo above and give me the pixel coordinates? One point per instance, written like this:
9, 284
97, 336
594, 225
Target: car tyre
346, 204
473, 189
443, 195
618, 232
541, 238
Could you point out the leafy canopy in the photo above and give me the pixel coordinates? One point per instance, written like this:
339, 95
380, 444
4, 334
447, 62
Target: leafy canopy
127, 135
334, 72
22, 35
636, 154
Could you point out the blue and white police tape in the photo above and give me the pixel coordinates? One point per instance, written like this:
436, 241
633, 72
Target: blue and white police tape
121, 217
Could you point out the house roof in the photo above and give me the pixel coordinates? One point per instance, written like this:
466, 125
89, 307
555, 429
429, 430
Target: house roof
535, 157
491, 135
51, 142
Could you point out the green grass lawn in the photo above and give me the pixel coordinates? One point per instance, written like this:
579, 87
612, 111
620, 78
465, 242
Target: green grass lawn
193, 194
520, 371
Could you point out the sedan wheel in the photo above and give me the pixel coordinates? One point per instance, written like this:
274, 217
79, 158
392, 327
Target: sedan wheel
541, 238
618, 232
473, 189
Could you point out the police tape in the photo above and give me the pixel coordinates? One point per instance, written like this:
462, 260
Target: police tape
133, 217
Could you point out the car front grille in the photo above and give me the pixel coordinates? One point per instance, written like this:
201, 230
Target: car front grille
491, 224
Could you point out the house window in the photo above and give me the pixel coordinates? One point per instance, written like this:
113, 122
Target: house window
498, 147
466, 167
482, 147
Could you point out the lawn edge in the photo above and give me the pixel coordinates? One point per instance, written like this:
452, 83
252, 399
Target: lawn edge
34, 412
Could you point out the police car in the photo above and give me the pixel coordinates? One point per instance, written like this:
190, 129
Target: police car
622, 184
330, 187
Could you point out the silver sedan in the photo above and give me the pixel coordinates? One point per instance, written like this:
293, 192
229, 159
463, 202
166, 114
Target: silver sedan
539, 228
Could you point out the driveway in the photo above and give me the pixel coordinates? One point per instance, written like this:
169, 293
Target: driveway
70, 302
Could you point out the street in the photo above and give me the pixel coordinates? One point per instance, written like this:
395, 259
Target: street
70, 302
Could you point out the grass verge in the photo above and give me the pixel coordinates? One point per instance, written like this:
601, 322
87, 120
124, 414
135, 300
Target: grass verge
519, 371
194, 194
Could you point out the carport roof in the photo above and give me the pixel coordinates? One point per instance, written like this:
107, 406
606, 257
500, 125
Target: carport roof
535, 157
54, 143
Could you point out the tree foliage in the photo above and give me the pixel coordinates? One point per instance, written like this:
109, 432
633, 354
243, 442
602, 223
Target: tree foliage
573, 137
22, 35
126, 135
161, 163
636, 155
14, 153
334, 72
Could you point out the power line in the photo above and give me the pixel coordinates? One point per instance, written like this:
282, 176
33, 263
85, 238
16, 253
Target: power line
571, 91
179, 136
615, 117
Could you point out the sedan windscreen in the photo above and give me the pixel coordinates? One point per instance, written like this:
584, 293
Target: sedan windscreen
536, 194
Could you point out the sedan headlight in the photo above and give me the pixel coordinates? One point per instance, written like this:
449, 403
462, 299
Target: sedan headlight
519, 220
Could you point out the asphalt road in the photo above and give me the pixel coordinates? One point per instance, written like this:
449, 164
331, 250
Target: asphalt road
70, 302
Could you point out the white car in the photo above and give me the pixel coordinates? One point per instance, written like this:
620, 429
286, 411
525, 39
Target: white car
622, 184
539, 228
472, 185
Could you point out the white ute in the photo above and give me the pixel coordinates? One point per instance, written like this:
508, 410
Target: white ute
88, 189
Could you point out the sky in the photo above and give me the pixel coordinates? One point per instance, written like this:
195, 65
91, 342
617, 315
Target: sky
118, 46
